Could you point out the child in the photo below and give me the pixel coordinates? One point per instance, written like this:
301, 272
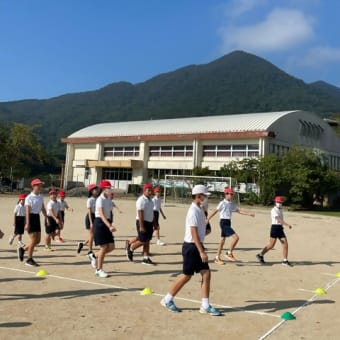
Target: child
53, 220
93, 192
34, 204
205, 207
103, 227
19, 221
156, 210
195, 259
63, 205
144, 226
226, 208
276, 232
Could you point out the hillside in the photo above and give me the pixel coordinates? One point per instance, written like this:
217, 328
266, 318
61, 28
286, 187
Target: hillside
236, 83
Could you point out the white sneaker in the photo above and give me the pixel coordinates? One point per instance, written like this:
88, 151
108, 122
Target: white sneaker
10, 240
160, 243
93, 259
21, 244
101, 273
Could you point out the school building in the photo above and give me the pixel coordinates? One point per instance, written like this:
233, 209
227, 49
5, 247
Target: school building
135, 152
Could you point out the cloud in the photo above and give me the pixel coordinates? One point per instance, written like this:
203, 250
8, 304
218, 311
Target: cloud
319, 56
281, 30
239, 7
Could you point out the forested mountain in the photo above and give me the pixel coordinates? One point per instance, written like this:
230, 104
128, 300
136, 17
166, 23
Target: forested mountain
235, 83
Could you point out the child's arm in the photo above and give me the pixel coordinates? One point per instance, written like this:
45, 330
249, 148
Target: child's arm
68, 208
282, 222
59, 218
212, 215
245, 212
116, 206
161, 211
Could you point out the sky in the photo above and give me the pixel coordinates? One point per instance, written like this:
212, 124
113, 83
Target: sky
54, 47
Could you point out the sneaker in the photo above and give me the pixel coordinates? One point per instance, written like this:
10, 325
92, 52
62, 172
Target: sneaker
260, 258
80, 247
210, 310
160, 243
92, 259
218, 260
10, 240
48, 248
170, 306
31, 263
286, 263
129, 254
127, 244
21, 253
148, 262
230, 257
21, 244
101, 273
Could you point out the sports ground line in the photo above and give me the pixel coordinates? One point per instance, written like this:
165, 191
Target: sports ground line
134, 291
305, 304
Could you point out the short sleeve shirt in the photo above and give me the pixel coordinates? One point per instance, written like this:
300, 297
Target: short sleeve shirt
226, 208
105, 204
156, 203
35, 202
195, 218
146, 204
20, 210
63, 205
54, 206
276, 212
91, 204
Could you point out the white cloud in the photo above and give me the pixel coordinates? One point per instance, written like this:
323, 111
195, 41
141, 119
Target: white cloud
282, 29
319, 56
240, 7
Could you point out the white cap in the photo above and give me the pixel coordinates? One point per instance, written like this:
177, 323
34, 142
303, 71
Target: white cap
200, 189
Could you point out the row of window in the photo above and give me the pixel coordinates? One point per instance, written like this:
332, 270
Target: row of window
233, 150
117, 174
160, 173
121, 151
171, 151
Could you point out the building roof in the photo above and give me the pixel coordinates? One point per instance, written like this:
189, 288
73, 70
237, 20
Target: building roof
200, 125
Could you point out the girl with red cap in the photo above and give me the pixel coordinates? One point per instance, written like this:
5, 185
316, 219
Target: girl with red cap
103, 227
157, 208
63, 206
19, 221
276, 232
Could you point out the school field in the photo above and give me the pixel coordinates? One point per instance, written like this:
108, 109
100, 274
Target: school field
71, 303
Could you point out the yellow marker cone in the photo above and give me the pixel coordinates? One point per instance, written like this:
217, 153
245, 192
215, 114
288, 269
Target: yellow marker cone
319, 291
41, 273
338, 274
146, 291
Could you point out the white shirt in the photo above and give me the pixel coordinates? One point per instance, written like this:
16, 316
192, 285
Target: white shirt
146, 204
35, 202
226, 208
195, 218
54, 206
20, 210
157, 203
105, 204
276, 212
63, 205
91, 204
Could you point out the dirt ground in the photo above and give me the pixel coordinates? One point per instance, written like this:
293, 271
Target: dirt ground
70, 302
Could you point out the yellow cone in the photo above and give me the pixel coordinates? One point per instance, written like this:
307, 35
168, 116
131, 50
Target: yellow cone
146, 291
338, 274
41, 273
319, 291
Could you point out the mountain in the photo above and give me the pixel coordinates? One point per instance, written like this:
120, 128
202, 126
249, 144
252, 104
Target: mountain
235, 83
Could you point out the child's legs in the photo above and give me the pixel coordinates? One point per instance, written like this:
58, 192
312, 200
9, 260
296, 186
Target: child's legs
35, 239
220, 247
284, 243
100, 255
146, 249
270, 245
179, 283
19, 237
136, 244
157, 233
48, 239
205, 287
233, 242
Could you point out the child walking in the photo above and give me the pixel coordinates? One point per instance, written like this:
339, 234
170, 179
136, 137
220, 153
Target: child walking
63, 206
276, 232
103, 227
34, 204
157, 208
195, 259
226, 208
19, 221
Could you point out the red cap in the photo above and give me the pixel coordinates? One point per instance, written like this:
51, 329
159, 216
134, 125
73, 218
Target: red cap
22, 196
61, 194
51, 192
147, 186
278, 199
228, 191
36, 181
104, 184
157, 189
92, 186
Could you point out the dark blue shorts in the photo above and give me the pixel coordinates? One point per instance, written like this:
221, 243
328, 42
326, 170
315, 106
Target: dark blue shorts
147, 235
276, 231
226, 229
192, 262
156, 219
34, 226
102, 234
19, 227
87, 220
52, 226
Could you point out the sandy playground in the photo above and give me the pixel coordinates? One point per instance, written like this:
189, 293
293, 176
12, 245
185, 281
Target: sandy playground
70, 302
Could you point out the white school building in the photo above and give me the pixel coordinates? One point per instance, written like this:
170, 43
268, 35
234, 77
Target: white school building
138, 151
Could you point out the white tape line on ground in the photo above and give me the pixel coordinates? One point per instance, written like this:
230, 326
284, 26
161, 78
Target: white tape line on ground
137, 291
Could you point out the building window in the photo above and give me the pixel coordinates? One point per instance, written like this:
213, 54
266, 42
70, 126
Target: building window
121, 151
157, 174
117, 174
171, 151
235, 150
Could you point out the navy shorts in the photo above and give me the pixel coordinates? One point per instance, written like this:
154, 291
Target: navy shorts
102, 234
147, 235
192, 262
276, 231
156, 219
35, 226
87, 220
226, 229
52, 226
62, 215
19, 227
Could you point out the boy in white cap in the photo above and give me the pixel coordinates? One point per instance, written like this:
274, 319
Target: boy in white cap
195, 259
226, 208
276, 232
